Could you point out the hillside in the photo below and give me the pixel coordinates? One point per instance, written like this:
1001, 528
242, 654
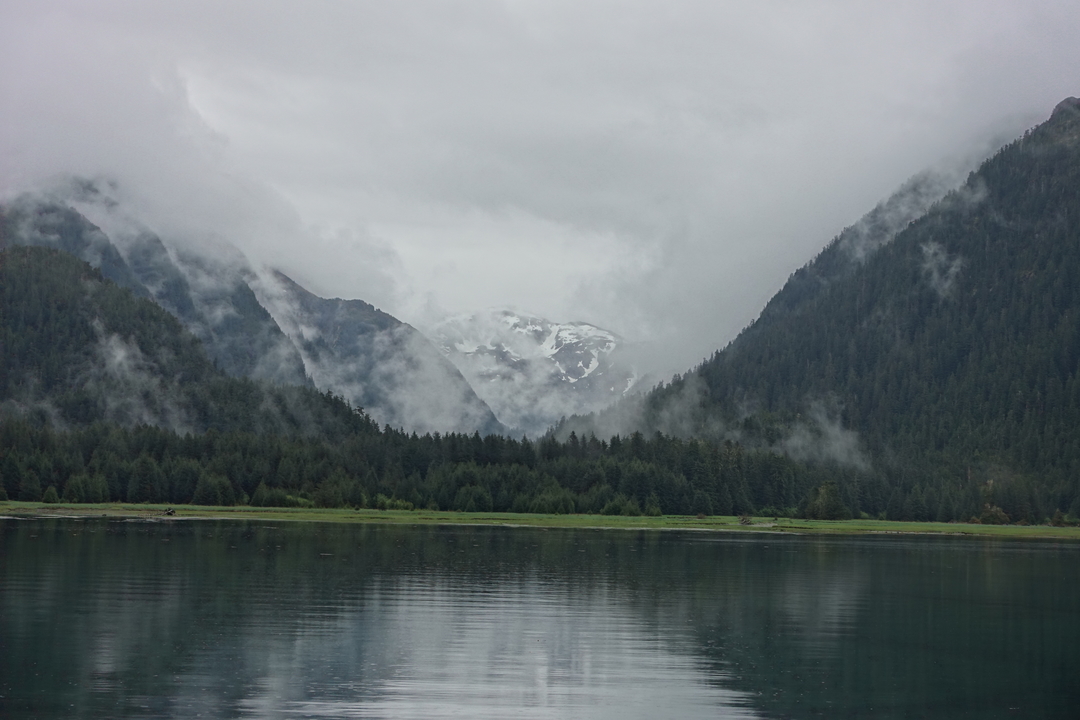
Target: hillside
375, 360
104, 395
249, 321
212, 302
944, 357
79, 349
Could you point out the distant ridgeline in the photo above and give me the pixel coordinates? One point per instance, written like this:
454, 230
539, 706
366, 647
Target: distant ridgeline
924, 366
256, 324
78, 349
105, 396
942, 360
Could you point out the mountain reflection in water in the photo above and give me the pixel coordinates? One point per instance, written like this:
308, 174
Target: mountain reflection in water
247, 619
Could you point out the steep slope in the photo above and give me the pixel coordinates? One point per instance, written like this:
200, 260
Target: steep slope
375, 360
38, 222
382, 365
941, 363
209, 297
78, 349
953, 349
214, 301
533, 372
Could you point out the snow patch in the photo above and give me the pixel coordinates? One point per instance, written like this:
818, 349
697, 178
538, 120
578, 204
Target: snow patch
532, 371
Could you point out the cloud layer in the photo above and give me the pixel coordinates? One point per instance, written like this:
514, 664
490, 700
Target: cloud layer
657, 170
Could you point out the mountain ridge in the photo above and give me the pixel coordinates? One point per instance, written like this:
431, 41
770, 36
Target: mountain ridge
79, 349
375, 359
951, 352
216, 300
533, 371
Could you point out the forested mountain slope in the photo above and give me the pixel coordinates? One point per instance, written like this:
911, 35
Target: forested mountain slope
79, 349
211, 299
959, 339
921, 370
104, 395
249, 323
375, 360
952, 350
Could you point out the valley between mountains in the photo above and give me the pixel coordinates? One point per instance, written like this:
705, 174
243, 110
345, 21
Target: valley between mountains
490, 372
925, 365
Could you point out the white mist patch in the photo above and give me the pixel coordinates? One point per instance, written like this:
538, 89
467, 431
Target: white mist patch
878, 227
681, 414
823, 438
373, 360
939, 269
464, 260
133, 391
425, 394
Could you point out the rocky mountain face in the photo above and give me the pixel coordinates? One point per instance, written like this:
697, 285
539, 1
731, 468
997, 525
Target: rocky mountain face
374, 360
258, 325
532, 371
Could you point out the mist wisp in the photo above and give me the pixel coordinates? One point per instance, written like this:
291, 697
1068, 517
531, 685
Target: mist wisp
253, 324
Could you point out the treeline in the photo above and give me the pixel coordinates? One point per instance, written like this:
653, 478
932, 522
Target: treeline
953, 352
390, 469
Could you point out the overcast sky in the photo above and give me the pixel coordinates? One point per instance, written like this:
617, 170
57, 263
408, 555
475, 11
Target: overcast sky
656, 168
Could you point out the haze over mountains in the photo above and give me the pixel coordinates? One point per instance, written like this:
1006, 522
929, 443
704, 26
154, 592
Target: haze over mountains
926, 364
492, 372
946, 348
80, 350
375, 360
258, 325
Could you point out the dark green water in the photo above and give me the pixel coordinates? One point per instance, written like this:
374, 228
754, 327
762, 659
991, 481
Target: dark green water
232, 619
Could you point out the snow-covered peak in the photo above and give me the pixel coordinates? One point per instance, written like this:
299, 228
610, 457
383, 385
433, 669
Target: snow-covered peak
532, 370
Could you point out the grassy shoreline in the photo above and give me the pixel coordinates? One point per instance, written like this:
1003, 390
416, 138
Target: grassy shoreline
14, 509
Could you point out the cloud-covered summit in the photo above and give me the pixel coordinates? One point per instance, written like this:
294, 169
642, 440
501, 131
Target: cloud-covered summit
654, 170
254, 323
533, 371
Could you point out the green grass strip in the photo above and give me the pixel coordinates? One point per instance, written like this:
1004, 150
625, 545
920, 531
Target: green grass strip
433, 517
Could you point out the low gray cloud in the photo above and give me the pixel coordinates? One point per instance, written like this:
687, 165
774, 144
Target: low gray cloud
911, 201
657, 170
821, 437
532, 371
940, 269
816, 435
386, 367
131, 386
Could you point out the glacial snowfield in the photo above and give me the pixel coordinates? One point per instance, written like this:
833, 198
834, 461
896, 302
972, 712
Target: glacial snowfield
532, 371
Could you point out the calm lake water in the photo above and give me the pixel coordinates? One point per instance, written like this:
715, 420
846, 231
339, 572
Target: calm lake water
247, 619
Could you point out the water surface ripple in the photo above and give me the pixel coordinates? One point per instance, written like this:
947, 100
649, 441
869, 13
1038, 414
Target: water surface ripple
214, 619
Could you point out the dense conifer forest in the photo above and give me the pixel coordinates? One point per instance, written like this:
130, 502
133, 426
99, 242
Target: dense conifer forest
948, 359
183, 432
106, 397
952, 350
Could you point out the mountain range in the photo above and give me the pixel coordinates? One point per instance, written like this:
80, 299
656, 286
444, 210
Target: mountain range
80, 350
494, 371
941, 349
925, 365
257, 324
532, 371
